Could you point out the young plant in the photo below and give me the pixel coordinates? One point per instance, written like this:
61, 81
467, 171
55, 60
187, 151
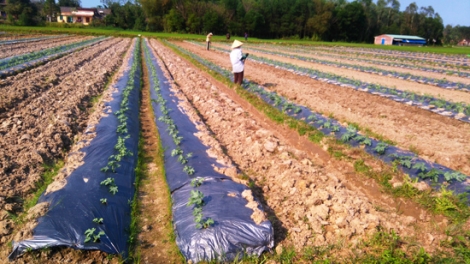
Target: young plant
381, 148
98, 220
196, 198
196, 182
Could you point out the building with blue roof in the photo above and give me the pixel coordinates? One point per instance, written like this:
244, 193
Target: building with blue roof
400, 40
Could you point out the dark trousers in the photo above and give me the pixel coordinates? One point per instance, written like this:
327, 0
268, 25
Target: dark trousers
238, 77
208, 45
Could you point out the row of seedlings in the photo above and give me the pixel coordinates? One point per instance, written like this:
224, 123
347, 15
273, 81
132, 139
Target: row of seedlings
27, 40
384, 60
416, 167
14, 64
210, 213
460, 110
419, 57
368, 69
89, 209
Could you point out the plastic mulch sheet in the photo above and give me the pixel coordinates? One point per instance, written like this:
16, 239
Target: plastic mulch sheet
73, 208
234, 232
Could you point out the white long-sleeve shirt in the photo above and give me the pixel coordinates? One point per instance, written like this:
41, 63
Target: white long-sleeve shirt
235, 58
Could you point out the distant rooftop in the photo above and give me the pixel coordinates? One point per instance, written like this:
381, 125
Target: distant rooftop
404, 37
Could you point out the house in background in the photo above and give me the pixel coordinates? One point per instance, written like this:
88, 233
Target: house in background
400, 40
464, 43
80, 15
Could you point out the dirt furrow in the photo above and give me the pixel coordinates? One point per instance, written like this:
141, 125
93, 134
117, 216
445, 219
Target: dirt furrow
30, 84
309, 204
434, 137
27, 47
365, 63
41, 130
391, 82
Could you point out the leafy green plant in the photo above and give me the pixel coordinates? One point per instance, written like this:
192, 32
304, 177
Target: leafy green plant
108, 181
189, 170
458, 176
196, 198
433, 174
98, 220
381, 148
205, 223
104, 200
90, 235
196, 182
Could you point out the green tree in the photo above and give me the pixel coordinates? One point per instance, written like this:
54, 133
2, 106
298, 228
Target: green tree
69, 3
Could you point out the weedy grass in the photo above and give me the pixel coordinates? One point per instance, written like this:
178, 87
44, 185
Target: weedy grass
50, 171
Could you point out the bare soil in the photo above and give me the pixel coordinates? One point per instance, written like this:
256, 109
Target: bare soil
27, 47
436, 138
365, 63
44, 121
156, 241
311, 200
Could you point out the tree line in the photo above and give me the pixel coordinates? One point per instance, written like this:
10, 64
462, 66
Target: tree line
327, 20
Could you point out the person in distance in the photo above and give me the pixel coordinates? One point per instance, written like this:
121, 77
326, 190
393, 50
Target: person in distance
238, 62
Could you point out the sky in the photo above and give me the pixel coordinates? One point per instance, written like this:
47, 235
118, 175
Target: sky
453, 12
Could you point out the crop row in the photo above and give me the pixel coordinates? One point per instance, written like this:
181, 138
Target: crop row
440, 59
460, 110
43, 55
202, 210
442, 83
87, 210
402, 64
120, 148
406, 160
15, 41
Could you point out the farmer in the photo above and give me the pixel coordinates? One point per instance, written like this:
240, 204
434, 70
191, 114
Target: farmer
238, 62
208, 40
227, 36
246, 36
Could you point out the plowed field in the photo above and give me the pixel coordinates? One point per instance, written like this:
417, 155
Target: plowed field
320, 206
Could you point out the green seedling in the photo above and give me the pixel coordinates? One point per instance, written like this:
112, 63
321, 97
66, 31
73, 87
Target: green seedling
177, 151
196, 182
107, 182
104, 200
188, 169
381, 148
205, 223
433, 174
113, 189
450, 176
196, 198
98, 220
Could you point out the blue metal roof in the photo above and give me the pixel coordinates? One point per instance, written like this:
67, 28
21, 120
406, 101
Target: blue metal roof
405, 37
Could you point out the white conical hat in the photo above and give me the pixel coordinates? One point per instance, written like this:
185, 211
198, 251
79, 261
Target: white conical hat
236, 44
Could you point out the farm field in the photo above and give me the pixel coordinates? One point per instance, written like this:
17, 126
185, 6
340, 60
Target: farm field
300, 194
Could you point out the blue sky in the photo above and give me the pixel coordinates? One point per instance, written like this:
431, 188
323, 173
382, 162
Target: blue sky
454, 12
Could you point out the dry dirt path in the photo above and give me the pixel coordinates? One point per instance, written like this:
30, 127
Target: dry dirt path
311, 200
27, 47
436, 138
43, 127
364, 63
450, 95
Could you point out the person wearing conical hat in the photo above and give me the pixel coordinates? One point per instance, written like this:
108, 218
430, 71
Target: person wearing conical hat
238, 62
208, 40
